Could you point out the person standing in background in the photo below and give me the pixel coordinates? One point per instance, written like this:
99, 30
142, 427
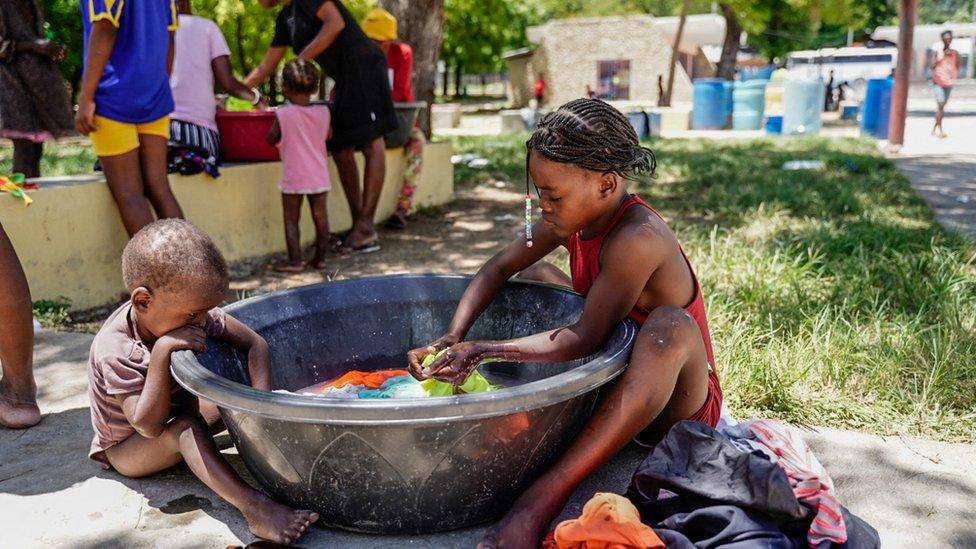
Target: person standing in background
381, 27
945, 69
362, 113
539, 89
125, 102
34, 102
202, 56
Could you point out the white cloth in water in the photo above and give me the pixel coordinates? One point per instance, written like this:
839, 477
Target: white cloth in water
346, 391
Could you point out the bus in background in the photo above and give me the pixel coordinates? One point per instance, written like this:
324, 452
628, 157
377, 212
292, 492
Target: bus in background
851, 66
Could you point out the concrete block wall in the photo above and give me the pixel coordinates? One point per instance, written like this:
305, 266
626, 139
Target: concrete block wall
70, 240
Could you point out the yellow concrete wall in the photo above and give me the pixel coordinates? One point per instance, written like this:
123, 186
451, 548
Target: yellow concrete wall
70, 240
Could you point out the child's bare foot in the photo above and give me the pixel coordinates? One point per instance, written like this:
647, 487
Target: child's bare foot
523, 526
289, 266
17, 411
275, 522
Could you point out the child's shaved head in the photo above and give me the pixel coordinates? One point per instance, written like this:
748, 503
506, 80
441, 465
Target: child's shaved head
170, 253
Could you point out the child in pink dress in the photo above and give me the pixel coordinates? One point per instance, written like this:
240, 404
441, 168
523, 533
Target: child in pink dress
300, 131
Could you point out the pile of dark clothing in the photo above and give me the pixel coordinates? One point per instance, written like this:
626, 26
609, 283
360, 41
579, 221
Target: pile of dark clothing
186, 160
755, 484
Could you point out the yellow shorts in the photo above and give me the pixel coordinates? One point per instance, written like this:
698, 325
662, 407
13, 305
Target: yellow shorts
113, 138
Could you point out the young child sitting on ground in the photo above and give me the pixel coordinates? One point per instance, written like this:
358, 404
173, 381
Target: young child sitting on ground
300, 130
144, 421
125, 101
628, 263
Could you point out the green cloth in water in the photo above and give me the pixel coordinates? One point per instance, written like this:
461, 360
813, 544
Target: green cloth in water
238, 105
476, 383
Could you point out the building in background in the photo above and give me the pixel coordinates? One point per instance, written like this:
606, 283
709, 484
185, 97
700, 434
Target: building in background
617, 58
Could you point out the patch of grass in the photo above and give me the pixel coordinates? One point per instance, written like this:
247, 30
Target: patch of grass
833, 297
58, 159
53, 314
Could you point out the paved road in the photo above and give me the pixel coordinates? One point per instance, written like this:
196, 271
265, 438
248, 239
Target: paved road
943, 171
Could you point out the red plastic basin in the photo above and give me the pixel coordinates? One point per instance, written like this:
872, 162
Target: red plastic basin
242, 136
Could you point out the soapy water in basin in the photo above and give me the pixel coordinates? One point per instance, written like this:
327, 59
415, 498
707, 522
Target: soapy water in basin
398, 383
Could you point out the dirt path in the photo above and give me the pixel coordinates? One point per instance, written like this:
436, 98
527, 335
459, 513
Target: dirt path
455, 238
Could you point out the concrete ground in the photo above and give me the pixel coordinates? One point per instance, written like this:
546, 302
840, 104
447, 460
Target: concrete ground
917, 493
943, 171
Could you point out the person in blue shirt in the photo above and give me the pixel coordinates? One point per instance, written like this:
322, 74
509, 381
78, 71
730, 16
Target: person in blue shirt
125, 102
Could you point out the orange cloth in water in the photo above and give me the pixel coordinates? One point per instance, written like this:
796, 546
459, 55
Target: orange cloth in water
609, 521
369, 380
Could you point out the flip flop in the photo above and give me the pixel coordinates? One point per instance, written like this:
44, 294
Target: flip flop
396, 223
367, 248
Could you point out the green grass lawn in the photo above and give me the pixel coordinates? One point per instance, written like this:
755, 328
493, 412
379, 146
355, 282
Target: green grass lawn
70, 158
834, 298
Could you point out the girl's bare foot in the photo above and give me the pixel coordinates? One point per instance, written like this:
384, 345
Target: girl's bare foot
289, 266
17, 412
275, 522
523, 526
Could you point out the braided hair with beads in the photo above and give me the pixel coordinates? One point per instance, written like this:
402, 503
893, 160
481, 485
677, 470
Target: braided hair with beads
590, 134
300, 76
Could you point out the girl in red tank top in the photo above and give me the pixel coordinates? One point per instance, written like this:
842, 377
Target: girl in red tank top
628, 263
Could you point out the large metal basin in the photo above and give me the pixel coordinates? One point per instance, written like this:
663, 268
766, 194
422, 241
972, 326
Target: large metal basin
408, 465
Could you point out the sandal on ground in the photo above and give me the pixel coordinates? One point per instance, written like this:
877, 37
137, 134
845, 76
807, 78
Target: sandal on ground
288, 267
396, 222
366, 248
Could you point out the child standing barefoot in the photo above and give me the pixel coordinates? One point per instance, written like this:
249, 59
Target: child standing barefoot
125, 101
18, 393
300, 131
627, 262
143, 421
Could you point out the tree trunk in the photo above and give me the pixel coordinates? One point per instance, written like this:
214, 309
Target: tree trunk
239, 24
730, 47
458, 85
420, 24
445, 83
674, 51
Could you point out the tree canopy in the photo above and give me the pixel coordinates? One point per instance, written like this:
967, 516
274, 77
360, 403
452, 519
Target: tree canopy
477, 32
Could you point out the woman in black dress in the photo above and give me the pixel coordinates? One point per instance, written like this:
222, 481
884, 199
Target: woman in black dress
34, 102
362, 108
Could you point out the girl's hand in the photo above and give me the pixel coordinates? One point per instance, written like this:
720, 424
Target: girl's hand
415, 358
455, 365
51, 50
85, 117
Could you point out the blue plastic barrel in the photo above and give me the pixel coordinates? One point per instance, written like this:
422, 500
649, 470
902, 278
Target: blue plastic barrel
876, 108
774, 124
654, 123
803, 100
749, 102
756, 73
728, 86
849, 112
638, 119
708, 104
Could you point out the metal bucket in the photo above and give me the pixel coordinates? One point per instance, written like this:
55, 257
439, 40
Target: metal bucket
407, 465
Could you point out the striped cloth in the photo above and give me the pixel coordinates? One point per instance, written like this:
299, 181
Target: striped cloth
811, 483
197, 138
